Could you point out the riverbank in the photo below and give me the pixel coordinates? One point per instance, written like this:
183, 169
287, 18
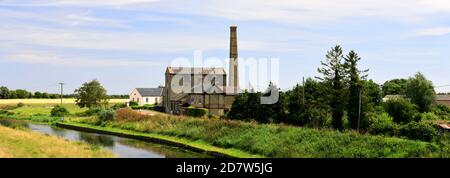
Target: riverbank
247, 139
17, 143
196, 146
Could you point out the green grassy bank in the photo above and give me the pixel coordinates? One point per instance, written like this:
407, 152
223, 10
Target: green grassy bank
17, 143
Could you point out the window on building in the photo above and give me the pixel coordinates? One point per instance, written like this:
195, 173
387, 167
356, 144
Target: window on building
156, 100
138, 100
146, 100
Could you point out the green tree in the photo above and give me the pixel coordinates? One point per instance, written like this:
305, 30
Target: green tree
37, 95
354, 106
373, 92
12, 94
22, 94
45, 95
59, 111
91, 94
245, 106
4, 93
395, 87
334, 76
421, 92
401, 110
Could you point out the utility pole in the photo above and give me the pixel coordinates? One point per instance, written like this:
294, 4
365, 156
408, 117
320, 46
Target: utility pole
359, 106
303, 91
61, 84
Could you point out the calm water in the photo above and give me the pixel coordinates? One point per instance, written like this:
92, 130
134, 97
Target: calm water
123, 147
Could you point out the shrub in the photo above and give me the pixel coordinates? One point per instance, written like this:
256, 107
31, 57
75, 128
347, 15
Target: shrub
127, 114
92, 111
418, 131
20, 105
382, 124
196, 112
119, 106
132, 103
401, 110
428, 116
59, 111
105, 115
443, 111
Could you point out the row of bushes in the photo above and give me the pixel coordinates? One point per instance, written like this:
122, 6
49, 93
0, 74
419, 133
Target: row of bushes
383, 124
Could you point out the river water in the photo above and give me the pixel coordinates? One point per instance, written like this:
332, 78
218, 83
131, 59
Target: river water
122, 147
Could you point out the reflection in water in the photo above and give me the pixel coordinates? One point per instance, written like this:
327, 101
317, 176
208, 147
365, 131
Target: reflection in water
100, 140
13, 123
168, 151
123, 147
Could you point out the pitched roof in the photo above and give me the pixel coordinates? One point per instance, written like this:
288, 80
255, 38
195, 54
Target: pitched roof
148, 92
442, 97
196, 70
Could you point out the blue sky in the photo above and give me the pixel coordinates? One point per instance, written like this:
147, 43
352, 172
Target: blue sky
128, 43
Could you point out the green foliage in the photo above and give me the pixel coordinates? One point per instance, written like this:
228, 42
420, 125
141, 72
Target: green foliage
91, 94
119, 106
92, 112
22, 94
418, 131
245, 106
395, 87
442, 111
59, 111
421, 92
382, 124
428, 116
133, 103
334, 76
372, 92
355, 104
20, 105
37, 95
401, 110
4, 93
196, 112
278, 140
105, 115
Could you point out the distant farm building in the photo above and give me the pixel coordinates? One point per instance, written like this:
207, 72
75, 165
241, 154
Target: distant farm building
145, 96
443, 99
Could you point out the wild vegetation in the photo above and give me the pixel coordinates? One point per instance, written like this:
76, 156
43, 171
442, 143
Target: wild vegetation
16, 143
343, 98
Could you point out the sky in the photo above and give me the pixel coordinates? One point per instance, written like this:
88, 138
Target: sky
129, 43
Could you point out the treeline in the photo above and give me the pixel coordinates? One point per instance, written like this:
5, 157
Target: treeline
6, 93
342, 97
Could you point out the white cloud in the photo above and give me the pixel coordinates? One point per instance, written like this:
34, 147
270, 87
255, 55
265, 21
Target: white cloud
45, 57
111, 3
285, 11
438, 31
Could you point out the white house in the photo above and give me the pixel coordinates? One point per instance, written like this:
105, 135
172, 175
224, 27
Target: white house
147, 95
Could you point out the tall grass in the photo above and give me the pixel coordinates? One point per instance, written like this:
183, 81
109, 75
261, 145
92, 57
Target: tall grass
276, 140
26, 144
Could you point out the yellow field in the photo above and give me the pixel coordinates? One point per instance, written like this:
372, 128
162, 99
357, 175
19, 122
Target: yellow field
27, 144
49, 101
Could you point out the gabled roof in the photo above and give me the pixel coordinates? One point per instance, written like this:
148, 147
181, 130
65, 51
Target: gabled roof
150, 92
196, 70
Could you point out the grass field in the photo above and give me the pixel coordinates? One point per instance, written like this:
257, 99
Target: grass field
49, 101
27, 144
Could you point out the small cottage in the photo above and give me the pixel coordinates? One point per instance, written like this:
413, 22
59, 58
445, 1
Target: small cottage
145, 96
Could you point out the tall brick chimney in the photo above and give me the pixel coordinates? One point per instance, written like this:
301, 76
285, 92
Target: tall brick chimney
233, 73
